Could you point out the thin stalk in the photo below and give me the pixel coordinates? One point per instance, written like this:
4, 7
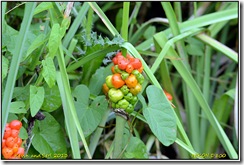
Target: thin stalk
178, 12
4, 5
133, 17
218, 46
70, 101
124, 28
97, 134
71, 48
120, 122
118, 139
14, 66
206, 87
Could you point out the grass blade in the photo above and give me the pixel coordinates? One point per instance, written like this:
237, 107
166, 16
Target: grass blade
104, 18
76, 24
70, 125
218, 46
70, 101
14, 66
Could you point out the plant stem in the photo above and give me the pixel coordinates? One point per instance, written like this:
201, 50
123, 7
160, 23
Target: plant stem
118, 140
124, 28
97, 134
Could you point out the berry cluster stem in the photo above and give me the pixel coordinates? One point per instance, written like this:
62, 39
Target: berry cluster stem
118, 139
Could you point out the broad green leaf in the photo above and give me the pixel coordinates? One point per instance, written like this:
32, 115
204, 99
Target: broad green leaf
54, 40
52, 100
43, 6
136, 149
159, 115
23, 133
36, 43
36, 99
90, 115
9, 37
17, 107
5, 63
21, 93
97, 80
48, 136
49, 71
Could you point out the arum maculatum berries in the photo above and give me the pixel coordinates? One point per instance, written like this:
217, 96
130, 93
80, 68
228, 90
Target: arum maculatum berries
11, 142
123, 86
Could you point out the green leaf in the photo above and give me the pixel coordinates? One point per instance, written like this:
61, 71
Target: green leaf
119, 17
41, 39
23, 133
21, 93
136, 149
89, 115
48, 136
5, 63
9, 37
11, 117
43, 6
194, 50
17, 107
64, 26
91, 66
49, 71
36, 99
231, 93
54, 40
159, 115
97, 80
194, 47
52, 100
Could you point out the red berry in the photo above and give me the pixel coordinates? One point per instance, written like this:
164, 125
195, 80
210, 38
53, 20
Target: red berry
3, 143
136, 63
15, 124
19, 141
10, 141
129, 68
14, 133
7, 152
7, 132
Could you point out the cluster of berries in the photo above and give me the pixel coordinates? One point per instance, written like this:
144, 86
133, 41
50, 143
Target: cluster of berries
125, 83
11, 142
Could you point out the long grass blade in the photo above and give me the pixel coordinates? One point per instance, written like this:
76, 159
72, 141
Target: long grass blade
70, 125
70, 101
218, 46
104, 18
14, 66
